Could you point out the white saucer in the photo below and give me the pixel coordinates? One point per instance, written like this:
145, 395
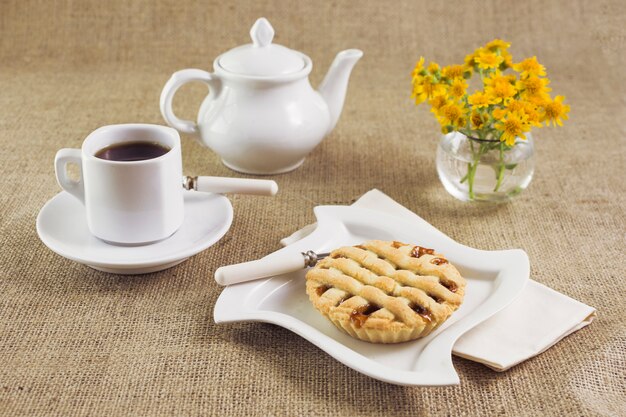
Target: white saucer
62, 226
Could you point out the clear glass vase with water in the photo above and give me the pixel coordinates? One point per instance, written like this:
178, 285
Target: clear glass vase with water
473, 169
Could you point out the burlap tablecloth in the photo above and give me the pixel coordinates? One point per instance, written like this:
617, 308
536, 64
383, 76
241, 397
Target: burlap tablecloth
74, 341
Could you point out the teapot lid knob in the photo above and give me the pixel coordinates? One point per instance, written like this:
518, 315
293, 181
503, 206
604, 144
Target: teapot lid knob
261, 58
262, 32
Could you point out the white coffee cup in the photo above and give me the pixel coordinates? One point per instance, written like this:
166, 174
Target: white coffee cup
127, 202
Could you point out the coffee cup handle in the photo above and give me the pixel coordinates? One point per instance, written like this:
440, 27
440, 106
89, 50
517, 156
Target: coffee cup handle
72, 186
177, 80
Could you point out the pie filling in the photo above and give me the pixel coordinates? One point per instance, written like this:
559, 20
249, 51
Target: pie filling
419, 251
359, 315
421, 311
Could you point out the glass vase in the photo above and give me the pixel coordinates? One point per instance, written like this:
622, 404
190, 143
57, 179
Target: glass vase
473, 169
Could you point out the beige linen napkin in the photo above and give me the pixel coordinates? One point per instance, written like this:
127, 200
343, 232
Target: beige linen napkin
535, 321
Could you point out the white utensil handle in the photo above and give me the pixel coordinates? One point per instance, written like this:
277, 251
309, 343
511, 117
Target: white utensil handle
222, 185
262, 268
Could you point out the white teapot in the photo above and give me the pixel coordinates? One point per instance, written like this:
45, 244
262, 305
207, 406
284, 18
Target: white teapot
261, 115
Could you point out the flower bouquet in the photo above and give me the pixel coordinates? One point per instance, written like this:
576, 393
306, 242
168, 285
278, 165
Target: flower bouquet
488, 128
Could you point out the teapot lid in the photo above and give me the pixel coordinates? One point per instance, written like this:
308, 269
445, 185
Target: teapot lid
262, 57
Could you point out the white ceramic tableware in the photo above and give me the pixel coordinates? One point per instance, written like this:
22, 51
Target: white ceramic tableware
128, 203
223, 185
494, 280
261, 115
62, 227
266, 267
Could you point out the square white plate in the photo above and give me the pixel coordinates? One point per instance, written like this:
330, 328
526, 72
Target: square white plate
494, 279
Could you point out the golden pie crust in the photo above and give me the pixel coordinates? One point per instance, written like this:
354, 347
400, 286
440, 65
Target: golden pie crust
385, 291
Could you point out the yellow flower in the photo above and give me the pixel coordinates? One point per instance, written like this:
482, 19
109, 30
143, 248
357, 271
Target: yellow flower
488, 60
470, 60
433, 67
453, 71
538, 101
498, 113
462, 122
533, 86
419, 68
526, 108
425, 88
479, 100
499, 88
534, 118
498, 78
437, 102
554, 111
458, 88
515, 106
507, 107
529, 67
478, 120
513, 125
497, 44
508, 60
452, 114
501, 93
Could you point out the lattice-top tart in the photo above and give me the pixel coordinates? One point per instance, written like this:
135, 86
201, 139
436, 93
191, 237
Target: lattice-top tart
385, 292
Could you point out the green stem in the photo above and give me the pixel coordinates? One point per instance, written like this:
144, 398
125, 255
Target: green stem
471, 172
501, 167
466, 175
472, 167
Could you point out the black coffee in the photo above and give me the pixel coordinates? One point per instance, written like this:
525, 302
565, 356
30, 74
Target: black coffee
132, 151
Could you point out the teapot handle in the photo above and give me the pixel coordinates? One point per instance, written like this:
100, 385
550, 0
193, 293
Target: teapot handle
177, 80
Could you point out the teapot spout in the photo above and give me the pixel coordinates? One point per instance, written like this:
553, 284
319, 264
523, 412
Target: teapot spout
333, 87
